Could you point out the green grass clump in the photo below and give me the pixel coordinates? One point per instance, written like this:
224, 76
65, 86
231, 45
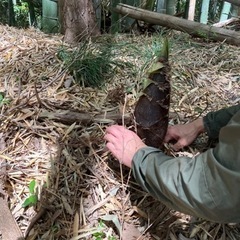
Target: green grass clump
92, 63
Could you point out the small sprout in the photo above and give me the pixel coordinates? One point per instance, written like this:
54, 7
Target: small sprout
3, 100
32, 199
101, 234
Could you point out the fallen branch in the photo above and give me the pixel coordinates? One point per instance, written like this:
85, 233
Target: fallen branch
70, 117
226, 22
193, 28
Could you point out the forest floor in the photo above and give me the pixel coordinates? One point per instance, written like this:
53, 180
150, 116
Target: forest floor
83, 192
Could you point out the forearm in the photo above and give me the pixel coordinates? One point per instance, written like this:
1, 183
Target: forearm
203, 186
177, 182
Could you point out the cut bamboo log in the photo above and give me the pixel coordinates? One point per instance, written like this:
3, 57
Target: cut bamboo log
234, 2
190, 27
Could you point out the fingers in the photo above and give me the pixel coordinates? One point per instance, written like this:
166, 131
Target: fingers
110, 137
115, 129
111, 133
170, 135
114, 134
110, 146
168, 138
181, 143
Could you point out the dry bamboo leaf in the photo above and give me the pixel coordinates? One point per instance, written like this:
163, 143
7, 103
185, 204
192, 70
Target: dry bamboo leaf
69, 130
130, 232
111, 194
182, 237
187, 95
114, 218
140, 212
172, 236
66, 205
86, 233
82, 213
194, 231
76, 225
6, 157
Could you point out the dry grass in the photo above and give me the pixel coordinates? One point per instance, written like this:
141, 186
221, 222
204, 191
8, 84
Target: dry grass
78, 182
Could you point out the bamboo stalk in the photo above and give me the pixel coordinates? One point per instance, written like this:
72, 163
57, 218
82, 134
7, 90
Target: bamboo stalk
191, 11
225, 11
204, 11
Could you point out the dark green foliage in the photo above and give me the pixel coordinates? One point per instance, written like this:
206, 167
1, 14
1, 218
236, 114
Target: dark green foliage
3, 11
92, 64
18, 14
21, 15
150, 5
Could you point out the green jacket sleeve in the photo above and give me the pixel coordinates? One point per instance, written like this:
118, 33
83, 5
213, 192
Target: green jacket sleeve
206, 185
214, 121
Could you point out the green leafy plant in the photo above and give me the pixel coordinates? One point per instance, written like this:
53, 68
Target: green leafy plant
3, 100
32, 199
3, 11
21, 14
100, 235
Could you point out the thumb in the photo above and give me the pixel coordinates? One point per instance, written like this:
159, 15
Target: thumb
167, 138
169, 135
181, 143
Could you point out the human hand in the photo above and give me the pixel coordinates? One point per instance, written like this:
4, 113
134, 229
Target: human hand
123, 143
184, 134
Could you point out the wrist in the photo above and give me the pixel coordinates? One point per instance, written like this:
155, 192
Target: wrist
199, 125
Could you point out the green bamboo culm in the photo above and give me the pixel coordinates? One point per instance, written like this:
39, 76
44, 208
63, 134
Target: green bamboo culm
204, 11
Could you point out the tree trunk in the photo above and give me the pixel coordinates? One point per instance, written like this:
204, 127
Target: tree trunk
11, 14
61, 16
79, 20
32, 13
186, 9
193, 28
